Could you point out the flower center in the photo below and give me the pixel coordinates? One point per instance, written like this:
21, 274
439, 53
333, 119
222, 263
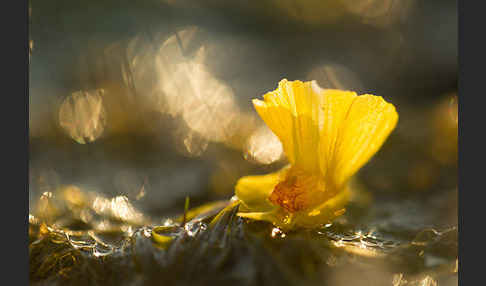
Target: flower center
299, 191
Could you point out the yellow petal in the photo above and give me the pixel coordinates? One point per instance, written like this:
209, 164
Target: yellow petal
254, 191
265, 216
291, 112
324, 212
277, 217
367, 124
335, 106
353, 129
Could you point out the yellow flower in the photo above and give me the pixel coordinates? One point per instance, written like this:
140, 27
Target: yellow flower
327, 136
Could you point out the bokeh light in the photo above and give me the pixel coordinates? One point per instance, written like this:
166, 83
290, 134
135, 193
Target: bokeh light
83, 116
263, 146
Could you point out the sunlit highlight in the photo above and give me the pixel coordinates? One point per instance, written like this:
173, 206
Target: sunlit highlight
190, 91
118, 207
263, 146
83, 116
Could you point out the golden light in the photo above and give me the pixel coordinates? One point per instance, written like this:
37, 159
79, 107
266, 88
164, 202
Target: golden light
188, 90
118, 207
205, 103
82, 115
263, 146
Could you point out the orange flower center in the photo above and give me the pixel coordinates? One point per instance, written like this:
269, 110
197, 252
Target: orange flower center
299, 191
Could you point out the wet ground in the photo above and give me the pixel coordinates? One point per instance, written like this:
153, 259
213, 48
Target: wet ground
396, 241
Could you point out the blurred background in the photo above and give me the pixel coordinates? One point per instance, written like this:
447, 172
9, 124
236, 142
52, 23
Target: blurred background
149, 101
